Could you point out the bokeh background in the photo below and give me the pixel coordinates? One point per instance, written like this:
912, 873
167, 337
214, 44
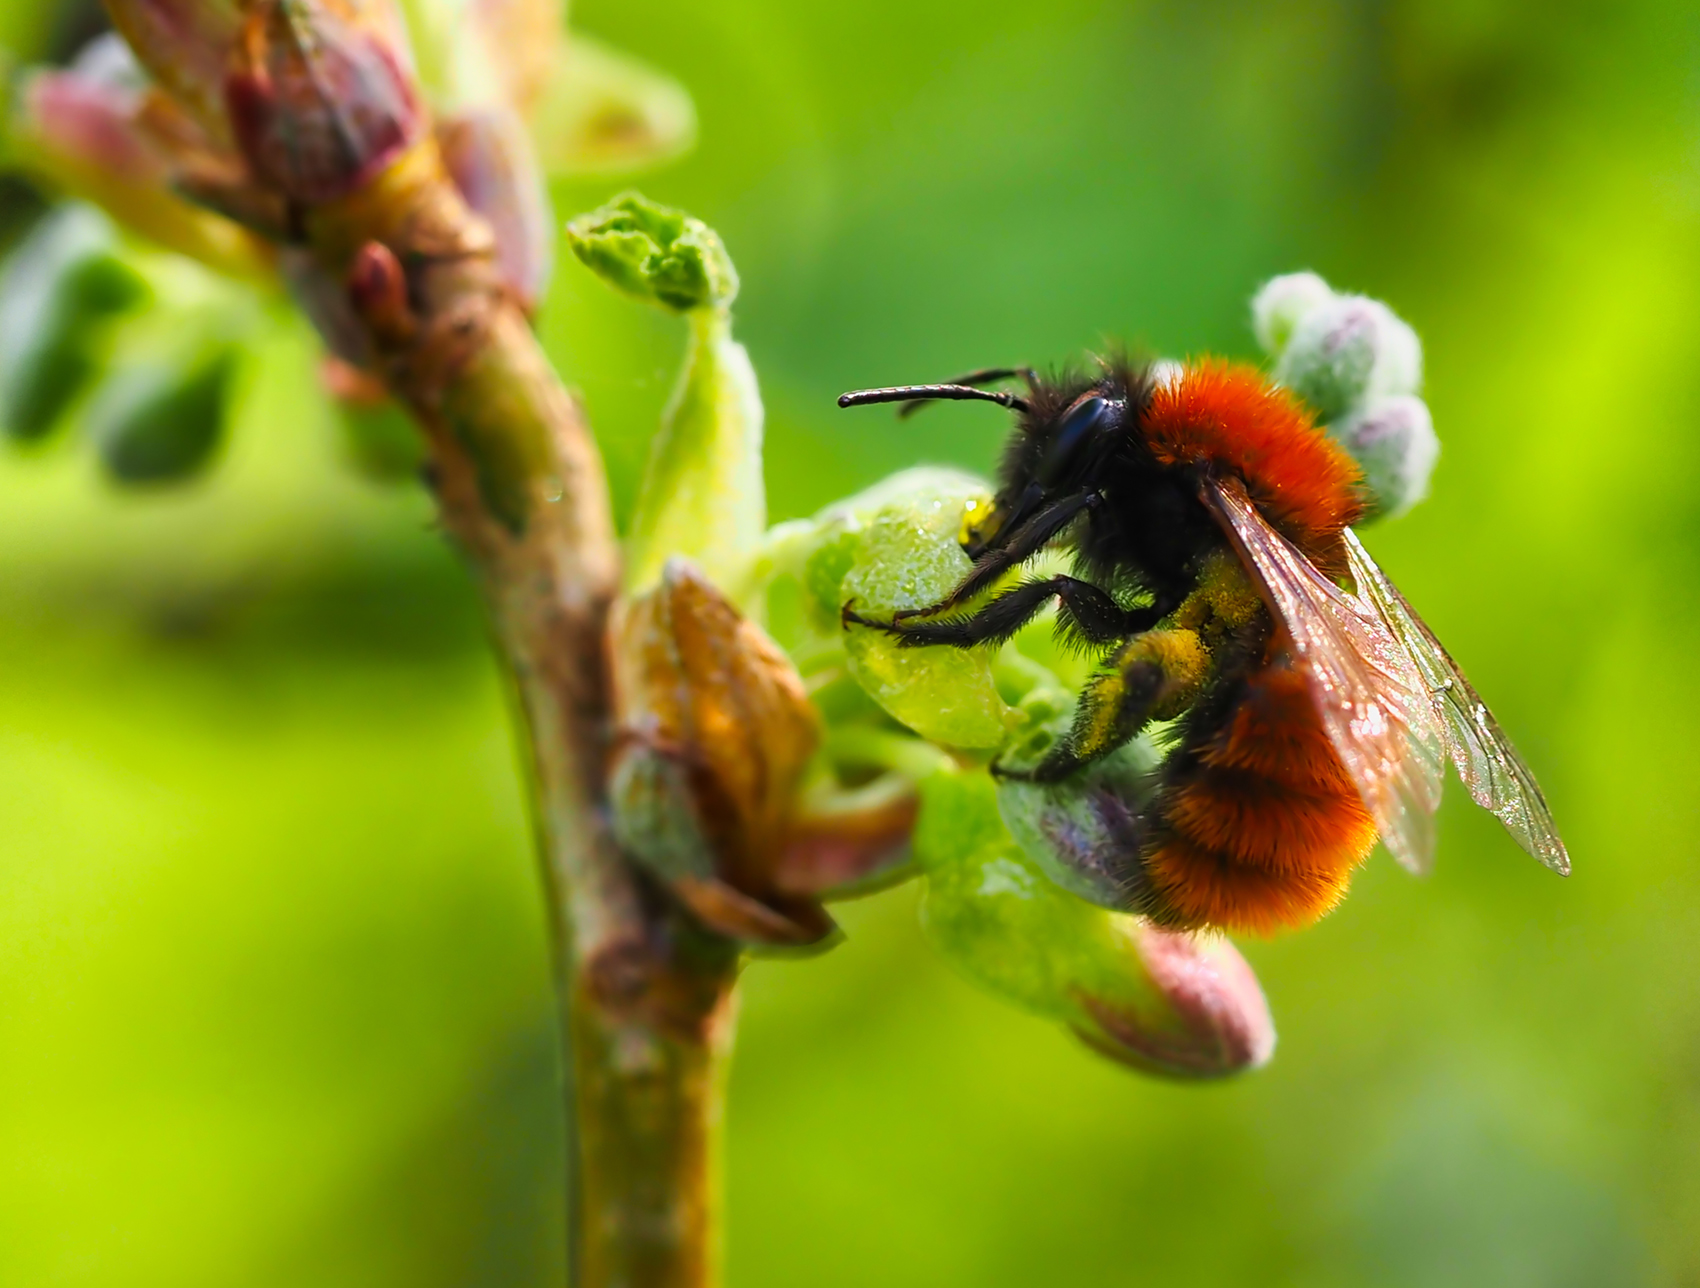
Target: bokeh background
273, 995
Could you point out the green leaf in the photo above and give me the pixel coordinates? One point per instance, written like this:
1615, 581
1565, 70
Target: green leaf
907, 556
160, 422
703, 495
58, 286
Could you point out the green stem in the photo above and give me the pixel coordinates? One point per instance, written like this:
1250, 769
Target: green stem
702, 490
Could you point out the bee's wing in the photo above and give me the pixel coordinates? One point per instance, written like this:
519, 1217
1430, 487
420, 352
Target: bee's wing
1496, 776
1366, 688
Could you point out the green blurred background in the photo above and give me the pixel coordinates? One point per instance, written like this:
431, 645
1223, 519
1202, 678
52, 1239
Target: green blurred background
273, 996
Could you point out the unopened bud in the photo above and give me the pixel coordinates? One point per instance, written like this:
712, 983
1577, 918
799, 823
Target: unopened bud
1182, 1005
713, 731
656, 254
57, 287
1348, 352
489, 157
95, 131
1086, 832
1282, 304
1394, 443
1198, 1012
319, 100
186, 47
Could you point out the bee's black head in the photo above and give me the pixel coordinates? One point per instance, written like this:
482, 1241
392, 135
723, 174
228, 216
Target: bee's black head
1068, 426
1073, 425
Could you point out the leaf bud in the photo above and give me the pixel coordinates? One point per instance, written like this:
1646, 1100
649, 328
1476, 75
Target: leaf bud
319, 100
1348, 352
656, 254
97, 131
1186, 1006
58, 285
1394, 443
1282, 303
713, 733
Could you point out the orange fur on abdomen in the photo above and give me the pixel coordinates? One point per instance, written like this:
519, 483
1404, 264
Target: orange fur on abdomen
1262, 830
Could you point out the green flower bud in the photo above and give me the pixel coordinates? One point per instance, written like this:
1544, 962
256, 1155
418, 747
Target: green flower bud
1348, 352
656, 254
1284, 302
1182, 1005
57, 287
1394, 443
1085, 832
159, 422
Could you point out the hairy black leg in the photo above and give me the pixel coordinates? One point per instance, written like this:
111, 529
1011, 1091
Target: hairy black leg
1091, 611
1027, 540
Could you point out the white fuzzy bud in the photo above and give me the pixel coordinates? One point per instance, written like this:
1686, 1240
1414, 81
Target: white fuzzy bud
1282, 304
1394, 443
1348, 353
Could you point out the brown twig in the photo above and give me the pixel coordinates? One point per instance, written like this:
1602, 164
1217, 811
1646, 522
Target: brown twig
646, 996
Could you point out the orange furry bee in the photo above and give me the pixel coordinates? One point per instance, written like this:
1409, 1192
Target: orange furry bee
1210, 524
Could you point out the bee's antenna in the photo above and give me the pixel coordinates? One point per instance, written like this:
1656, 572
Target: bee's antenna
932, 393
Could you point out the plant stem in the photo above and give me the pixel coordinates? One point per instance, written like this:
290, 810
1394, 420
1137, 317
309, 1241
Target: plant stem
645, 995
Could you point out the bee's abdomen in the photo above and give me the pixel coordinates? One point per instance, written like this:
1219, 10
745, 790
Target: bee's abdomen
1260, 827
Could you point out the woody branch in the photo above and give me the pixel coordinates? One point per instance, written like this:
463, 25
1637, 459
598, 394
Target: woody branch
318, 140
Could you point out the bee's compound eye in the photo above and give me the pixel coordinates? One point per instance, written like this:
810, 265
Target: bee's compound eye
1080, 424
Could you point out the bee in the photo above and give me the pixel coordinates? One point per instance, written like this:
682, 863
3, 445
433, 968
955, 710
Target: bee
1216, 570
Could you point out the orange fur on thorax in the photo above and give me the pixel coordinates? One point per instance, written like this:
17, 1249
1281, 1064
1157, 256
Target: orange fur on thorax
1265, 830
1229, 417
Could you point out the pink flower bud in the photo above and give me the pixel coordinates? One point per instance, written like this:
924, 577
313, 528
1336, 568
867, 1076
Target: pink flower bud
1201, 1013
318, 102
489, 156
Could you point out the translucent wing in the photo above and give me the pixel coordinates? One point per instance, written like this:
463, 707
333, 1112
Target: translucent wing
1496, 776
1368, 692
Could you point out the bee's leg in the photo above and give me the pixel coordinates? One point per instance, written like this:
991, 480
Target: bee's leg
1091, 611
1029, 539
1153, 676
